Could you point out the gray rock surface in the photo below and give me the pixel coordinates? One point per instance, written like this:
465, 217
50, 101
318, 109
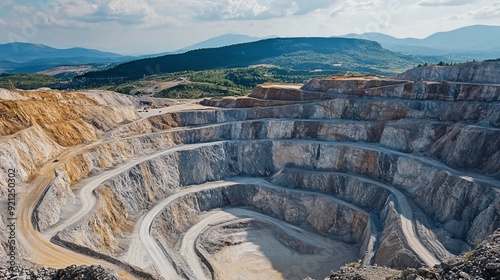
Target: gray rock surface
93, 272
474, 72
402, 172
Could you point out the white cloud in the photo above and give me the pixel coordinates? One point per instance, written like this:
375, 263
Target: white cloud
6, 3
143, 25
81, 13
158, 12
487, 12
490, 12
21, 9
353, 6
253, 9
234, 9
307, 6
444, 2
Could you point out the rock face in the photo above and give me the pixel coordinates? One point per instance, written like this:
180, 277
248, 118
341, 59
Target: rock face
390, 172
38, 125
474, 72
480, 263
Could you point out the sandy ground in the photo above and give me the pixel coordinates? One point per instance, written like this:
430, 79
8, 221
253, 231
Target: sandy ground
170, 109
162, 261
259, 253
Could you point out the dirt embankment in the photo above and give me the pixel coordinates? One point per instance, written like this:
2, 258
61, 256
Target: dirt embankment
36, 126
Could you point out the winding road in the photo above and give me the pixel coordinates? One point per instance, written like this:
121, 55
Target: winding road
162, 261
41, 249
44, 252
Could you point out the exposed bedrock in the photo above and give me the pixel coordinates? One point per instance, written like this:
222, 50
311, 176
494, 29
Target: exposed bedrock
473, 72
308, 210
392, 250
290, 256
460, 145
350, 108
291, 206
244, 102
399, 173
95, 233
454, 144
57, 194
317, 89
19, 151
37, 126
455, 202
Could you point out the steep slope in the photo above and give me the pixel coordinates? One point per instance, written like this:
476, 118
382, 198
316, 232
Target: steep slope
38, 125
480, 263
473, 72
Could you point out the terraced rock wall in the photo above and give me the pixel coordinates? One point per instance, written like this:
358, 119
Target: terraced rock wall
393, 172
474, 72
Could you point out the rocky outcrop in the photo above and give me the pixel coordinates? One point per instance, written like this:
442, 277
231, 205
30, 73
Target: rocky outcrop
317, 89
37, 125
473, 72
57, 195
480, 263
93, 272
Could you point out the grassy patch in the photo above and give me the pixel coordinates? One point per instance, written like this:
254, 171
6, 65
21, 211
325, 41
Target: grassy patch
27, 81
199, 90
219, 82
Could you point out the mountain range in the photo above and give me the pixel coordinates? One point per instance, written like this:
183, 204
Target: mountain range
22, 57
477, 42
223, 40
314, 54
30, 58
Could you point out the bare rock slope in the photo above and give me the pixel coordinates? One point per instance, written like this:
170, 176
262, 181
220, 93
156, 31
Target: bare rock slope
295, 180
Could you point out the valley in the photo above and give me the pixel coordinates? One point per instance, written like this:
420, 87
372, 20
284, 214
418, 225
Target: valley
288, 182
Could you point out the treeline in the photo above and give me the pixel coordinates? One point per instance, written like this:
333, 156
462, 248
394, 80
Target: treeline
441, 63
220, 82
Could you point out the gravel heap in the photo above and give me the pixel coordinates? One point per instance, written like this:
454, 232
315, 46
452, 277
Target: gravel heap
366, 273
93, 272
483, 263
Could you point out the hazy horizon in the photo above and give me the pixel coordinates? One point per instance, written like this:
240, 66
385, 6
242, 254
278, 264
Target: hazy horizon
152, 26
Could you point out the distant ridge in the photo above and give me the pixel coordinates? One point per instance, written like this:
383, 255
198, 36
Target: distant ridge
296, 53
221, 41
29, 58
478, 42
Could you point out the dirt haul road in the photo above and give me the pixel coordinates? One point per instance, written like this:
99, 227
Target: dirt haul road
41, 250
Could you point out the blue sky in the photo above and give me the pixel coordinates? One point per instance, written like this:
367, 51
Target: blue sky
149, 26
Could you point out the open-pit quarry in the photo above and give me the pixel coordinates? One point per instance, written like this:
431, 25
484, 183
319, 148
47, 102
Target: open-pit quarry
289, 182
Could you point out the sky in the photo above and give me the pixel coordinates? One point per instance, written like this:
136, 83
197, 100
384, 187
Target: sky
151, 26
